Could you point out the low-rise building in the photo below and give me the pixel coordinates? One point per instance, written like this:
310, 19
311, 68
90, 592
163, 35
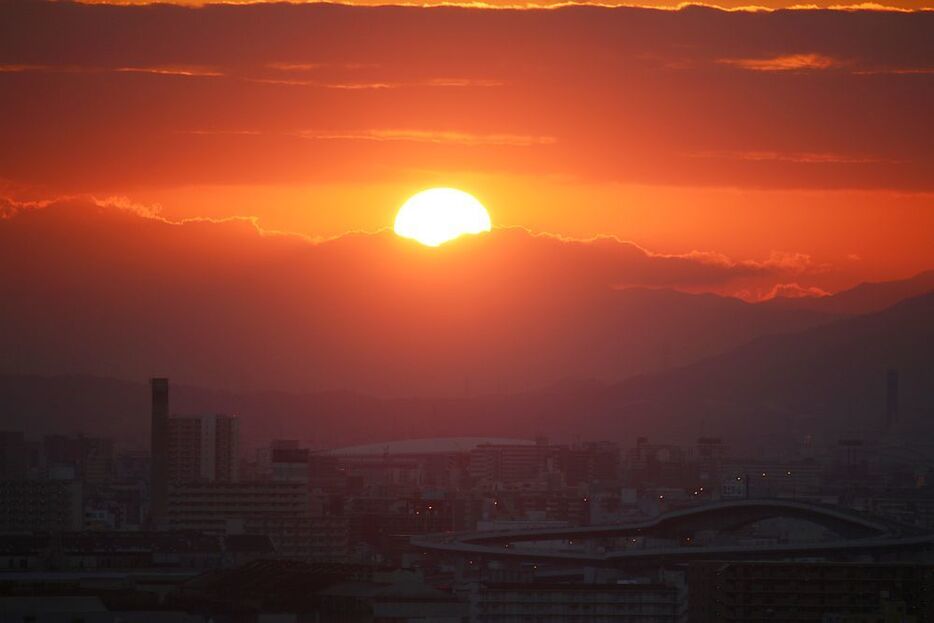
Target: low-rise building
558, 602
806, 591
279, 510
31, 505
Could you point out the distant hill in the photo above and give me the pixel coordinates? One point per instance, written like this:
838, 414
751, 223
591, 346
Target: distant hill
825, 379
829, 377
862, 299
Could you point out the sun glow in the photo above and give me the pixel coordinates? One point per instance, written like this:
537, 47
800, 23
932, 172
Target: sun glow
435, 216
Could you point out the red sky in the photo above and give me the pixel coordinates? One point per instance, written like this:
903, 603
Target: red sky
793, 139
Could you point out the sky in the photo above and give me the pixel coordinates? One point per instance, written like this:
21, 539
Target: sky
793, 141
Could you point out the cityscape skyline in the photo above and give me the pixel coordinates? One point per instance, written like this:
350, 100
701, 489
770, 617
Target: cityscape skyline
653, 513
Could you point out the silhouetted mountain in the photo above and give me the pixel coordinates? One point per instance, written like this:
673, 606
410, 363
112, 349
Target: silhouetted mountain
825, 379
862, 299
829, 377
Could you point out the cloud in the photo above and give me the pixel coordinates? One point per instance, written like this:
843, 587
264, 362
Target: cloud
795, 157
181, 70
788, 62
11, 207
200, 71
895, 71
428, 136
380, 85
436, 137
203, 299
159, 70
819, 62
12, 68
794, 290
789, 261
666, 5
306, 67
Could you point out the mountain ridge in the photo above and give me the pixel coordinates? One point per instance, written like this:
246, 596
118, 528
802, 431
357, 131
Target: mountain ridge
783, 386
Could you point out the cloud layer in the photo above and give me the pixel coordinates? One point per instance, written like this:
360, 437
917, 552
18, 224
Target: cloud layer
108, 287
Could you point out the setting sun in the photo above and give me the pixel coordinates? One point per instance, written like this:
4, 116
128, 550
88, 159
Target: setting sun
435, 216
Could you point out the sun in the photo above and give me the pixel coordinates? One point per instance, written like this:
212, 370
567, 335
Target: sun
437, 215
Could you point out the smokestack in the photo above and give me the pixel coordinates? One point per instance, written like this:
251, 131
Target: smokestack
891, 398
159, 448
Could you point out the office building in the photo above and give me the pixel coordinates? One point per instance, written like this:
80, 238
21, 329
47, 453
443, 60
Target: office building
891, 398
159, 450
204, 448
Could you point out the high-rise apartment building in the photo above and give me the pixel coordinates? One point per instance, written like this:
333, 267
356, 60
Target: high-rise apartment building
201, 448
891, 398
159, 447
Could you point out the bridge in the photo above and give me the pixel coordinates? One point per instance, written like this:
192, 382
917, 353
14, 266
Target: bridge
852, 534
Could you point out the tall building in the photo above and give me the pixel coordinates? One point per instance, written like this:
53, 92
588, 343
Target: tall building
159, 447
203, 448
891, 398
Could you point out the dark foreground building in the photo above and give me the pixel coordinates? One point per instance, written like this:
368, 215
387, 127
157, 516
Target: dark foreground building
560, 602
810, 591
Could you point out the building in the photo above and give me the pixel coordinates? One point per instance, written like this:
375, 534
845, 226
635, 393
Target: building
279, 510
283, 460
409, 600
204, 448
559, 602
90, 458
589, 462
710, 454
118, 551
54, 609
489, 463
656, 464
754, 479
14, 456
808, 591
159, 450
189, 449
891, 398
40, 505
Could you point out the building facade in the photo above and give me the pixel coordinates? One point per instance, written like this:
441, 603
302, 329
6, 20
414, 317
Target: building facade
808, 591
595, 603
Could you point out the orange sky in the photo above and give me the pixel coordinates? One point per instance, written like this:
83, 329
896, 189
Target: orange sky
791, 136
663, 4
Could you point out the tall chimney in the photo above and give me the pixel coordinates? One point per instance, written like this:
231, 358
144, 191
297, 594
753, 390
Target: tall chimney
159, 448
